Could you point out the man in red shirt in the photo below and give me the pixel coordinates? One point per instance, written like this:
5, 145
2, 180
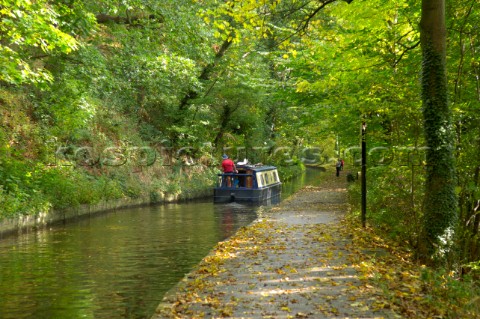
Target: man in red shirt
228, 165
228, 168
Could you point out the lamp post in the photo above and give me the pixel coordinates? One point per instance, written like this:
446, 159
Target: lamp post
364, 174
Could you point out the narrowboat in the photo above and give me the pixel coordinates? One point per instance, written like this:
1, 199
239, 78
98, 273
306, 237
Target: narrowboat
256, 184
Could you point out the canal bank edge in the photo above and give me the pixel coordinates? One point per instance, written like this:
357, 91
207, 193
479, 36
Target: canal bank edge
20, 224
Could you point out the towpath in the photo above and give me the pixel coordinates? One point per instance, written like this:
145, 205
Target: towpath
294, 261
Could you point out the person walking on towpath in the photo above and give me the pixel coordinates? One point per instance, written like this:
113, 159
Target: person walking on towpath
296, 260
338, 166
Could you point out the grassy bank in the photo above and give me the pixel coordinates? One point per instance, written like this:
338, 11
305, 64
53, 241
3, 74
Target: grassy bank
69, 186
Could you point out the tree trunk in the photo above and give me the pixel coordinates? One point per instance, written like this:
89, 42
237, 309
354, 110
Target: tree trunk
226, 115
440, 203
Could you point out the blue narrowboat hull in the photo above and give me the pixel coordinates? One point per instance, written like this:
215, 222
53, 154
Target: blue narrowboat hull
267, 195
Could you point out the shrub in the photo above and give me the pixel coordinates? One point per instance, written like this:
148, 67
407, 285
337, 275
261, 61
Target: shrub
59, 187
394, 197
22, 204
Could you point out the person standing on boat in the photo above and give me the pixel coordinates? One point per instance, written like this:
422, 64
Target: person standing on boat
228, 167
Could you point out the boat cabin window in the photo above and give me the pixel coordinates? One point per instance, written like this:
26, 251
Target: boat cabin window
277, 179
266, 178
248, 178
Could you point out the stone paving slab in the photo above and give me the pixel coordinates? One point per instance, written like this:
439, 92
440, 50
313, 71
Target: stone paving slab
292, 262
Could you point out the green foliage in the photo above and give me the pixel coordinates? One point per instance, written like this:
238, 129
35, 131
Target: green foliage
288, 172
22, 203
154, 74
394, 200
36, 28
60, 189
462, 67
65, 187
453, 298
132, 187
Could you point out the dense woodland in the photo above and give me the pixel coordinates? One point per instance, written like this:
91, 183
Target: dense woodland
106, 99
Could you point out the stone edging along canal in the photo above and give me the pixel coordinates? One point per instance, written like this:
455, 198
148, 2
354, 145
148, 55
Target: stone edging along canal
27, 223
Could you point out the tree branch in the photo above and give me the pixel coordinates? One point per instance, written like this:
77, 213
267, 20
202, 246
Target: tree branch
395, 63
105, 18
306, 22
205, 75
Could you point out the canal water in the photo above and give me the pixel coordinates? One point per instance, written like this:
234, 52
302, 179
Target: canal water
117, 264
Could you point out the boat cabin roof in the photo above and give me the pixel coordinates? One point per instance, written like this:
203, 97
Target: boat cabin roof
256, 168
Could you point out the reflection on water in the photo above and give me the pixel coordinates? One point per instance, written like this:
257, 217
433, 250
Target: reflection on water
310, 177
115, 265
